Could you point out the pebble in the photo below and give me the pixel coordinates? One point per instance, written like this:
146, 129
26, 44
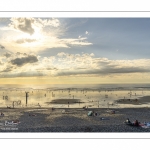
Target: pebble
78, 121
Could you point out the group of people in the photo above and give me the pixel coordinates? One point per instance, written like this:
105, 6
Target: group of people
135, 123
2, 114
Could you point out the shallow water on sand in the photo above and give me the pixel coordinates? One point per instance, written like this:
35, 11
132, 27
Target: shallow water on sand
78, 96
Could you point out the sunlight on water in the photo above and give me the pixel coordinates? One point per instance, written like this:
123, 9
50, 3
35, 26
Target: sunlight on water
72, 96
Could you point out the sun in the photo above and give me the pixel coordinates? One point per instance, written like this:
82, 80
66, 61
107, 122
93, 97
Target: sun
26, 40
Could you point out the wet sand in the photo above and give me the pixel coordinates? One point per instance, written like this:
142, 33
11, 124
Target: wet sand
139, 101
73, 119
64, 101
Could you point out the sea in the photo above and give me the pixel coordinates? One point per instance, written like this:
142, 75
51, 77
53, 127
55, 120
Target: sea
72, 96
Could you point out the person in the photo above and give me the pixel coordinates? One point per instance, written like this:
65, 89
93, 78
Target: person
95, 113
2, 114
113, 112
128, 121
39, 105
136, 123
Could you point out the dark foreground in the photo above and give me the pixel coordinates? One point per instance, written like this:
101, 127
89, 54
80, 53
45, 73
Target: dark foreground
73, 120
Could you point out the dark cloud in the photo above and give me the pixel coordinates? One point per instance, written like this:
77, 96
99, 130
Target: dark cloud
105, 71
21, 54
110, 70
23, 24
20, 41
7, 55
2, 47
24, 60
6, 74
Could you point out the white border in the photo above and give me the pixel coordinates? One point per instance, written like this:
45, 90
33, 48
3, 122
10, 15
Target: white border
77, 14
74, 5
77, 135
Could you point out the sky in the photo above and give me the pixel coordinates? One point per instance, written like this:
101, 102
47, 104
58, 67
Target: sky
74, 50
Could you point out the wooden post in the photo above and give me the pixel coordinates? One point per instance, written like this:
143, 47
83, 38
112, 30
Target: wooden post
13, 104
27, 97
68, 104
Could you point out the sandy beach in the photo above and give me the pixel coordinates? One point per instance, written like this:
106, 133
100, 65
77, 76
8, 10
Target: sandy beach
72, 120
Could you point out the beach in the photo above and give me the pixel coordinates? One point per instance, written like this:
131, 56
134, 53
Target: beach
73, 120
66, 109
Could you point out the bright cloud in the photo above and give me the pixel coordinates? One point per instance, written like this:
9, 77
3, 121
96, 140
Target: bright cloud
20, 41
29, 25
86, 32
35, 35
64, 64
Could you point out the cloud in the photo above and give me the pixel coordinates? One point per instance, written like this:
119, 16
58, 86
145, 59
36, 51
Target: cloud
29, 25
24, 60
21, 74
20, 41
64, 64
79, 41
48, 22
87, 64
87, 32
23, 24
7, 55
2, 47
7, 69
3, 50
19, 65
38, 34
103, 71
